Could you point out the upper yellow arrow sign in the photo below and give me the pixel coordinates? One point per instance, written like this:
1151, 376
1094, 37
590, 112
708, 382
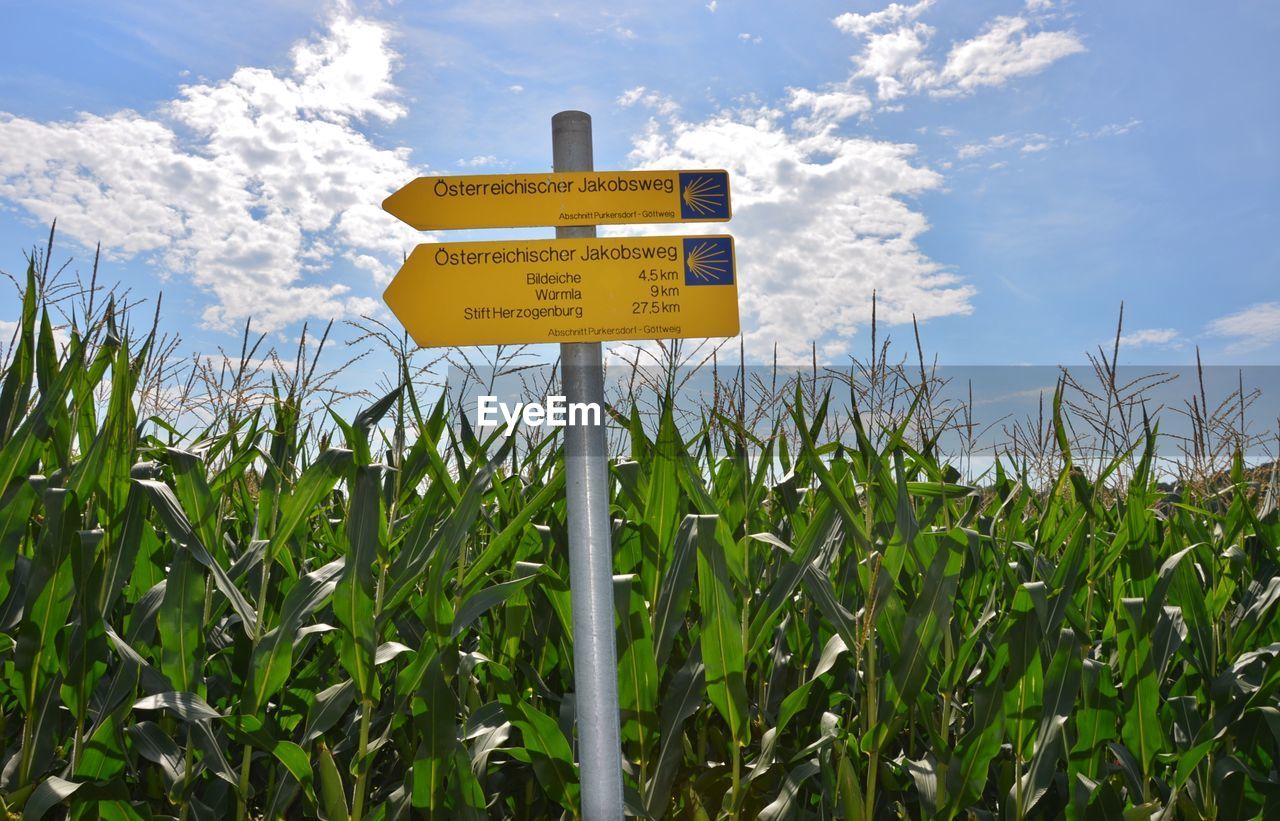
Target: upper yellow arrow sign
580, 198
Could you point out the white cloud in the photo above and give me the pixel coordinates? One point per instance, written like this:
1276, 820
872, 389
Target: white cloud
895, 52
711, 7
640, 95
971, 150
820, 221
515, 89
894, 61
478, 161
9, 333
1253, 328
1150, 336
1003, 52
893, 14
1039, 5
748, 37
827, 108
244, 185
823, 219
1031, 143
1113, 129
365, 306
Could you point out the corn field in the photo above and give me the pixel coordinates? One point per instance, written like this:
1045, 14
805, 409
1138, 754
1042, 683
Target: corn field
254, 621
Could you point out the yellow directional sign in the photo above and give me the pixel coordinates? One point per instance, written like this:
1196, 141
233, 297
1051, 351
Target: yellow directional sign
580, 198
567, 290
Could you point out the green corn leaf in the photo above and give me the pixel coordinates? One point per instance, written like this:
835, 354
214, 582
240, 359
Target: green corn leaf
295, 760
103, 757
212, 744
722, 650
677, 582
925, 775
353, 597
166, 504
637, 670
1035, 783
49, 596
549, 750
155, 746
680, 702
16, 389
534, 507
927, 618
18, 456
786, 804
47, 357
1061, 686
186, 706
1018, 659
798, 698
968, 771
273, 655
824, 527
51, 792
16, 507
315, 483
661, 509
1095, 720
327, 709
480, 602
849, 790
435, 707
333, 799
824, 596
180, 623
191, 486
1141, 730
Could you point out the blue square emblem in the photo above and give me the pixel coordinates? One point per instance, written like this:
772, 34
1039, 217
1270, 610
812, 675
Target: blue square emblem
704, 195
708, 261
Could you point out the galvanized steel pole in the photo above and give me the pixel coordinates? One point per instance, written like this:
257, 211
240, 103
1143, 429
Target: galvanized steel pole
595, 658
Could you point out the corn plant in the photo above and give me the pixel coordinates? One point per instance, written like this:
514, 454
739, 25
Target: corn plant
254, 620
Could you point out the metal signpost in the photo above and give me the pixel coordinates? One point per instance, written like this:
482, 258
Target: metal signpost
595, 657
577, 290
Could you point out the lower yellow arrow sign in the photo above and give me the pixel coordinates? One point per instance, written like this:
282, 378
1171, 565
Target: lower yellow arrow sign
567, 290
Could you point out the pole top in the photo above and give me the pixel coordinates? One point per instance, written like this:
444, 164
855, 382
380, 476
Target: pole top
571, 144
570, 116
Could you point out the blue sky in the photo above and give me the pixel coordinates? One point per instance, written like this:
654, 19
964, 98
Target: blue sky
1008, 171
